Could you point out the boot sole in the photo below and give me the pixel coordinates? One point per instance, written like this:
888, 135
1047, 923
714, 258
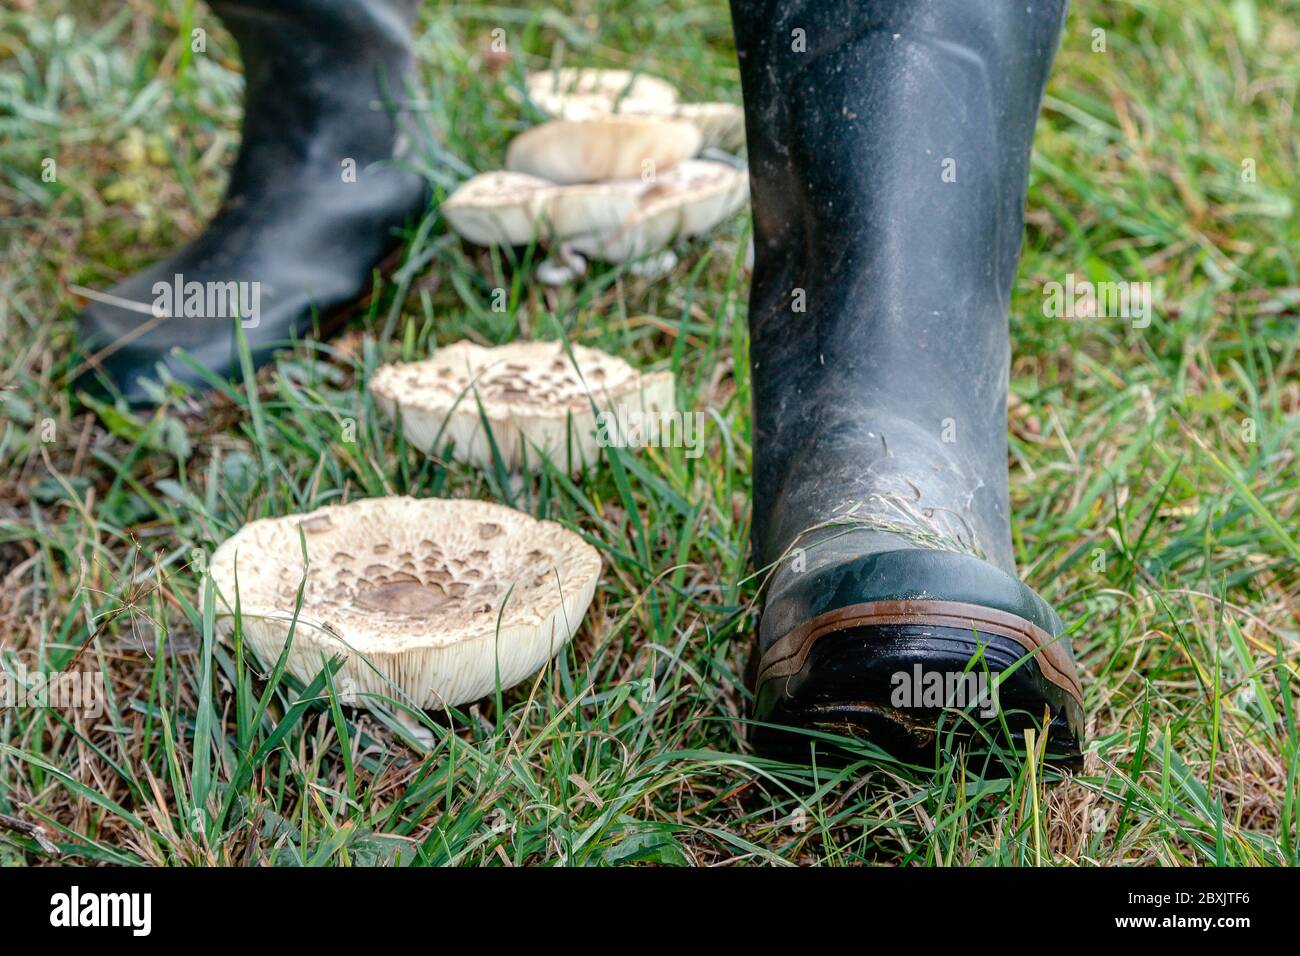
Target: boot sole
841, 671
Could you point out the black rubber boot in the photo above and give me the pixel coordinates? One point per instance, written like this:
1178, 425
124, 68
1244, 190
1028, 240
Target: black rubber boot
314, 203
889, 145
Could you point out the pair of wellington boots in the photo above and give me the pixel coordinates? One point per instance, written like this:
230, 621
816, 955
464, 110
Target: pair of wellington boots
888, 149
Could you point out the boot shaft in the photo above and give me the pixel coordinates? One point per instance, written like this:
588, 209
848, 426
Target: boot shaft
858, 109
889, 146
325, 81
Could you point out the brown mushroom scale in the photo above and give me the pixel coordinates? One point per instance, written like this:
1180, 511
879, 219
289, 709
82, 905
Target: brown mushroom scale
551, 385
535, 402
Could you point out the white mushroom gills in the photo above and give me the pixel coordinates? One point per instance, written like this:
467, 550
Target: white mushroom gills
436, 596
536, 401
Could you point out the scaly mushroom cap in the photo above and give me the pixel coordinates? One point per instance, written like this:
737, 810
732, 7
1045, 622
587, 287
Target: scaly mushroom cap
583, 94
498, 208
586, 208
579, 94
688, 200
608, 147
432, 595
513, 209
534, 400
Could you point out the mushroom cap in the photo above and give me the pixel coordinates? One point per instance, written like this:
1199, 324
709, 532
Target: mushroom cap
533, 399
608, 147
511, 209
581, 94
688, 200
721, 125
432, 595
499, 208
585, 208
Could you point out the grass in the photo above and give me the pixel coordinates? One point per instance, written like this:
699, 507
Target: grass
1154, 481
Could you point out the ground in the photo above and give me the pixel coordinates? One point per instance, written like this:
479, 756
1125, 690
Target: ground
1153, 473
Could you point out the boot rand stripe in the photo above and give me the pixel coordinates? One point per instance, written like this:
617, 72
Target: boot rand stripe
786, 657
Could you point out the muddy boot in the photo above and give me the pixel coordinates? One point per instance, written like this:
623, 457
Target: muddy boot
889, 146
315, 201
